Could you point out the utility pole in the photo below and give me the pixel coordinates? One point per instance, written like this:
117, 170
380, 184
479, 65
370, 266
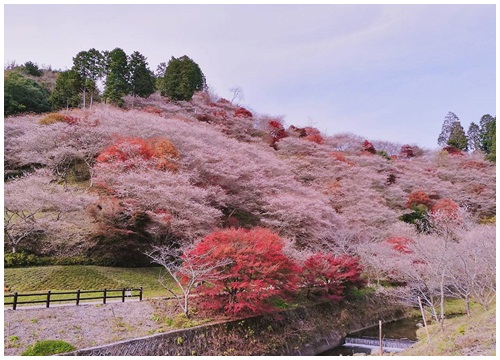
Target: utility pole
380, 337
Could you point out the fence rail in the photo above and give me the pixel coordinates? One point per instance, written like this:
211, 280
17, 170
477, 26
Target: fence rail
47, 297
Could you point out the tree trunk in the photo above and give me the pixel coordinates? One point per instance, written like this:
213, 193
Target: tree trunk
442, 315
84, 96
186, 305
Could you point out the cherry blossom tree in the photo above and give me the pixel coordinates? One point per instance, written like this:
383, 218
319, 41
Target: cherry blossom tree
187, 271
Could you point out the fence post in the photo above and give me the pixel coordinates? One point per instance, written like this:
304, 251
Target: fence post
14, 305
104, 297
78, 297
123, 295
140, 293
48, 298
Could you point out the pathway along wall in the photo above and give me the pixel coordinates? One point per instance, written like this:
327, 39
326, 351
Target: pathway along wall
301, 331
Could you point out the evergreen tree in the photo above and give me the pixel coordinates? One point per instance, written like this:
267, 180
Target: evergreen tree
474, 137
117, 85
457, 137
32, 69
182, 78
90, 66
142, 80
67, 90
22, 94
488, 130
492, 156
449, 120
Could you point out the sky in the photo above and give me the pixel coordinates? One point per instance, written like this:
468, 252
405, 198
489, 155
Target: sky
384, 72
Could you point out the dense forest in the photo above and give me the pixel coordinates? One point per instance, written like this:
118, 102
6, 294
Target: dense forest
155, 168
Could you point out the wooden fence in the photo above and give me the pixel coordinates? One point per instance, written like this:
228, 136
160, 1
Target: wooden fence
47, 298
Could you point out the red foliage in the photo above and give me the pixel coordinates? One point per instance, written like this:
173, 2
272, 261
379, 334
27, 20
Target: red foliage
277, 131
242, 112
331, 274
308, 133
475, 165
368, 147
407, 151
152, 110
453, 150
259, 270
446, 207
220, 114
400, 244
419, 198
223, 101
161, 151
163, 214
339, 156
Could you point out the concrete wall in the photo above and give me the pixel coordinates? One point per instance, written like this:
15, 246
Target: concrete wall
301, 331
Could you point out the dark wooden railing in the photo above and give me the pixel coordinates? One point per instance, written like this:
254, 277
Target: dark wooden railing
47, 298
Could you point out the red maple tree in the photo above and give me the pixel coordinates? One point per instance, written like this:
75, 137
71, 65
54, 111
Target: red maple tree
331, 275
258, 270
400, 244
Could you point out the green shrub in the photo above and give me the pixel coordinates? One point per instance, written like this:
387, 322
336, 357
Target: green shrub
48, 347
21, 259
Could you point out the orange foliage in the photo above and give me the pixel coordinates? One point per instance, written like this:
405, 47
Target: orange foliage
339, 156
453, 150
53, 118
159, 149
419, 198
447, 207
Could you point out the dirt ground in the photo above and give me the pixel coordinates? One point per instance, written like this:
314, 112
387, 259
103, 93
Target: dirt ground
82, 326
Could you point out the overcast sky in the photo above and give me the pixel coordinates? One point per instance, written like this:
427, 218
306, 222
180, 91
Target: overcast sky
385, 72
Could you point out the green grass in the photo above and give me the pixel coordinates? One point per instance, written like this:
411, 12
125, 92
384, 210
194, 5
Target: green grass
74, 277
48, 347
462, 336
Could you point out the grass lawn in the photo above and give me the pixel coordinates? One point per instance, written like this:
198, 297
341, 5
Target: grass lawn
74, 277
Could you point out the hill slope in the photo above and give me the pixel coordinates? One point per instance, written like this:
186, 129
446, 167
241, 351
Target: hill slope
108, 182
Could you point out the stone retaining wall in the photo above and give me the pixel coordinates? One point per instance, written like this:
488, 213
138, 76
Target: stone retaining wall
301, 331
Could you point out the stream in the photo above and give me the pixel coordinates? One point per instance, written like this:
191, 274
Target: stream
400, 329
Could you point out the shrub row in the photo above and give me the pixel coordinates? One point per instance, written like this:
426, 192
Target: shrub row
13, 260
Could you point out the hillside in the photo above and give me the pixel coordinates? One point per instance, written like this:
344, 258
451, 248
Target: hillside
106, 183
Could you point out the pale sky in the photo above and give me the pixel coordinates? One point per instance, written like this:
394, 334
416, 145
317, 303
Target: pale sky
384, 72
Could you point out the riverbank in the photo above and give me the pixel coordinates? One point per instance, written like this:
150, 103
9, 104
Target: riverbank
473, 335
300, 331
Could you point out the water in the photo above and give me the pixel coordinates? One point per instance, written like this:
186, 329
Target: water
400, 329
